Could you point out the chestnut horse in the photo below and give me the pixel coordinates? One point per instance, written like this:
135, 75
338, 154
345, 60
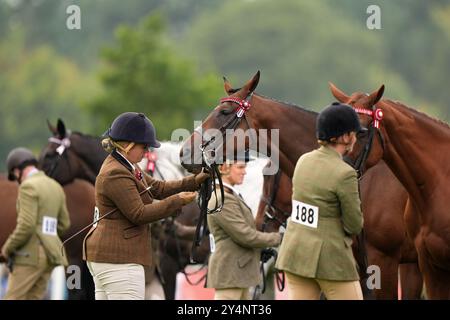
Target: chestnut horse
291, 121
80, 201
417, 150
75, 155
386, 241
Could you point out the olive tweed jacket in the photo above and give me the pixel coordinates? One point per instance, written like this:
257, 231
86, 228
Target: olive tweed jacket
42, 218
235, 261
322, 179
124, 236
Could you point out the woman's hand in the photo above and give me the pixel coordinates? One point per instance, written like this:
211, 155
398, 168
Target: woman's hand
200, 177
187, 197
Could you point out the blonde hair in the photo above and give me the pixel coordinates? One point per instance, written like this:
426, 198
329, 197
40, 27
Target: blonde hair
109, 145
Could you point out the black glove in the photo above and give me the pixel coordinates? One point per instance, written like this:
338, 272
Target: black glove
267, 253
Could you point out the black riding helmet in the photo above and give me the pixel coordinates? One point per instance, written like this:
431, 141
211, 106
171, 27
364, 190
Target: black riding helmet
133, 127
335, 120
19, 158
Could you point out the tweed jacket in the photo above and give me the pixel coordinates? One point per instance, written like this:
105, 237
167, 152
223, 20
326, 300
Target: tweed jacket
124, 236
42, 218
322, 179
235, 260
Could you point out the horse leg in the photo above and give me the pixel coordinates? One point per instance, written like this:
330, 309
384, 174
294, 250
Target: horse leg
411, 281
389, 274
86, 291
169, 269
436, 279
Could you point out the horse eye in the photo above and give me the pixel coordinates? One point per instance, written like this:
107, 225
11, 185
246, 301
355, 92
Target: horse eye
50, 155
361, 135
225, 112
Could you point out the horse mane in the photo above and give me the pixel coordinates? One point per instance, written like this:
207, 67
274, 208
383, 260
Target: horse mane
419, 113
290, 105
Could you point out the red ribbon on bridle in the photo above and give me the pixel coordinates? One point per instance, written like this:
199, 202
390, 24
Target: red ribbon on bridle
151, 161
243, 105
377, 115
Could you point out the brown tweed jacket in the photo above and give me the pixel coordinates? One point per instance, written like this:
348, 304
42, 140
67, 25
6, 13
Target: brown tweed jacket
124, 236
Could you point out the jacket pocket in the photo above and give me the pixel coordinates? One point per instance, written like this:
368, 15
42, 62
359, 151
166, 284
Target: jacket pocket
132, 232
244, 260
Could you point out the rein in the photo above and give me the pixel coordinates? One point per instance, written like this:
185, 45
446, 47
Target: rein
96, 221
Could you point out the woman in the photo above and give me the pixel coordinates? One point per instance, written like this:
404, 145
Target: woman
235, 242
118, 247
316, 252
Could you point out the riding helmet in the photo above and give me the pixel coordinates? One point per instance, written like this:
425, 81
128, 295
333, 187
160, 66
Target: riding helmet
19, 158
133, 127
336, 120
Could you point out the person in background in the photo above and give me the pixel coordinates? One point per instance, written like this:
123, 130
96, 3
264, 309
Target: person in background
235, 243
34, 247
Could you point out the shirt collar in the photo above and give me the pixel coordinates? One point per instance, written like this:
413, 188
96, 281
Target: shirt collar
128, 161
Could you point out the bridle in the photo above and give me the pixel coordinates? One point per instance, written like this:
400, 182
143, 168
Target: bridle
270, 208
374, 127
64, 144
210, 165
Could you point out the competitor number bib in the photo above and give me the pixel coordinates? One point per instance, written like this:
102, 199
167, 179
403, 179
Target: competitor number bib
49, 226
305, 214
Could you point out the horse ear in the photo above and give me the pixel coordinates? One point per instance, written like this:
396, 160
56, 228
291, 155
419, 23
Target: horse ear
252, 83
337, 93
376, 95
227, 86
61, 128
51, 128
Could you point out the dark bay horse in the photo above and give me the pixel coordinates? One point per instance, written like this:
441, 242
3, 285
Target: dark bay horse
296, 136
417, 150
80, 201
81, 156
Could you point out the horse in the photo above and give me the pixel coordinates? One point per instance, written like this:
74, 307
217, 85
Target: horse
382, 221
80, 201
416, 148
259, 112
75, 155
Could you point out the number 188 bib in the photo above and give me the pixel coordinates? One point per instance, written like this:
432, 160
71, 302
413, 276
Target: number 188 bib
305, 214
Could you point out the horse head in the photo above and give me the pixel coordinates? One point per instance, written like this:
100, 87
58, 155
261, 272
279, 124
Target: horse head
209, 142
370, 146
66, 156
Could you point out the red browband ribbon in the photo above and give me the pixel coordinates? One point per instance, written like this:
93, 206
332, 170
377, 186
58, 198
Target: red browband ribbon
376, 115
243, 105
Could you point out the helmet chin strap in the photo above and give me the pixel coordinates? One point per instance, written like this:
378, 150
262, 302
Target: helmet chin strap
126, 149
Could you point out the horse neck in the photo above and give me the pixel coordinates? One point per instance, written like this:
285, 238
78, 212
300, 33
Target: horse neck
91, 151
417, 150
296, 129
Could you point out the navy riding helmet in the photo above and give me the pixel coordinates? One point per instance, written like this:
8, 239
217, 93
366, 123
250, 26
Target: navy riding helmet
133, 127
336, 120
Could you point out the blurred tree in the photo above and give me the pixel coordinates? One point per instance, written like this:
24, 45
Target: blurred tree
36, 85
301, 45
143, 73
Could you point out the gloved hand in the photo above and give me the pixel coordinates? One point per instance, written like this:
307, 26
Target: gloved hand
200, 177
267, 253
187, 197
3, 259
